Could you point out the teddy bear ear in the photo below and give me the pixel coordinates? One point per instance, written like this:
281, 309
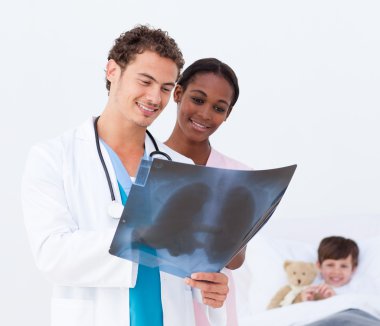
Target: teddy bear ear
313, 266
287, 263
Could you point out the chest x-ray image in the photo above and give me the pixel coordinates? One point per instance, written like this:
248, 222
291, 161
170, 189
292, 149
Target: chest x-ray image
187, 218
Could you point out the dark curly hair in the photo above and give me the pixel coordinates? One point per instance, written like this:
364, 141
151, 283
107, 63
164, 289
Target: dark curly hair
140, 39
215, 66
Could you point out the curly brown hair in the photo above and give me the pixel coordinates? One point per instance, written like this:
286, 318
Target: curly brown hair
140, 39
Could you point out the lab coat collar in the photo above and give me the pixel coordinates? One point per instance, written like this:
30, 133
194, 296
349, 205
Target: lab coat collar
86, 132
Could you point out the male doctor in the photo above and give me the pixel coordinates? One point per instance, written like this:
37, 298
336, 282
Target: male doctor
66, 201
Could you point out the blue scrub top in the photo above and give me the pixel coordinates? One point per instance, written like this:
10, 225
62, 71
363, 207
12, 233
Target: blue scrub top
145, 304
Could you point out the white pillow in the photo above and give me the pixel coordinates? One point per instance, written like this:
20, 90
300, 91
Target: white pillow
368, 272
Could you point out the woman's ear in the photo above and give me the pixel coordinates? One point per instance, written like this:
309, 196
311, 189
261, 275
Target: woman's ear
177, 94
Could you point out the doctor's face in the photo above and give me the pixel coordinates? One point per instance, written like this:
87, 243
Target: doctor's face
203, 105
337, 272
141, 91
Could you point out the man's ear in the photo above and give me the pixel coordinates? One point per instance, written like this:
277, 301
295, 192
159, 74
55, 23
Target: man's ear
112, 70
318, 265
177, 94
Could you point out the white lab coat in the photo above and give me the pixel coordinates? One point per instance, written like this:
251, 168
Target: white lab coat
65, 197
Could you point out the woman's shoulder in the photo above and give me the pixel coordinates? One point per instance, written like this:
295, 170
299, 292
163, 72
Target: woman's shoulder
219, 160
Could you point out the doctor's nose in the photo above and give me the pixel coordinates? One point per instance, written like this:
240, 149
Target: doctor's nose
154, 97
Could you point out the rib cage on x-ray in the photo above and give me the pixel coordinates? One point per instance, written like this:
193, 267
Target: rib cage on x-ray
188, 218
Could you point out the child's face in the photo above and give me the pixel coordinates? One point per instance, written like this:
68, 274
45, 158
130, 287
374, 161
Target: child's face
337, 272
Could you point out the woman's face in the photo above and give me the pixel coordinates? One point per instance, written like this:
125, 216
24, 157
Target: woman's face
203, 106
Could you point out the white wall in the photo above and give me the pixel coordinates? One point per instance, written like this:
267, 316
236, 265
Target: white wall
309, 73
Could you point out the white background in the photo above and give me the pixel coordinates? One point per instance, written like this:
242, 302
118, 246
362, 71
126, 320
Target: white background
309, 73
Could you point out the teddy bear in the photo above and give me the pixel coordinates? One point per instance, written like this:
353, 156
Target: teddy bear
300, 274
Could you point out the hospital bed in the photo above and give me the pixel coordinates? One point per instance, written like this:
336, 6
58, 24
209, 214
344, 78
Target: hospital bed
297, 239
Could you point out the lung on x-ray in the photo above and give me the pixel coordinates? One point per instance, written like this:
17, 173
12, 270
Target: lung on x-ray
186, 218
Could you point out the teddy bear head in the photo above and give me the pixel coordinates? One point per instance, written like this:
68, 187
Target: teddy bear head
300, 273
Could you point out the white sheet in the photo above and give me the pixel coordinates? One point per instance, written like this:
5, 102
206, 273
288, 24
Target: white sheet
307, 312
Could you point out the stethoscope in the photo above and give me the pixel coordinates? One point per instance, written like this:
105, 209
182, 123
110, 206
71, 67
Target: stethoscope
115, 209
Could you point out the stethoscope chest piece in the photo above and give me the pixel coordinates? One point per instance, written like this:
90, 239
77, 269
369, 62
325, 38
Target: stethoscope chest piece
115, 209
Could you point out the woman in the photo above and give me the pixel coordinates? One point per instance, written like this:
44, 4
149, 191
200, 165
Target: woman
205, 95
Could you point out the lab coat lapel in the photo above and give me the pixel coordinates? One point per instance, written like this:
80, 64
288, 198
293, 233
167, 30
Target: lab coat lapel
86, 133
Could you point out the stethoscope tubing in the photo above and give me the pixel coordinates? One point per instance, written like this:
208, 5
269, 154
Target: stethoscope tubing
102, 159
155, 152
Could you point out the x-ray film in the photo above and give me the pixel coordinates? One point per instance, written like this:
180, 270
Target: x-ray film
187, 218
